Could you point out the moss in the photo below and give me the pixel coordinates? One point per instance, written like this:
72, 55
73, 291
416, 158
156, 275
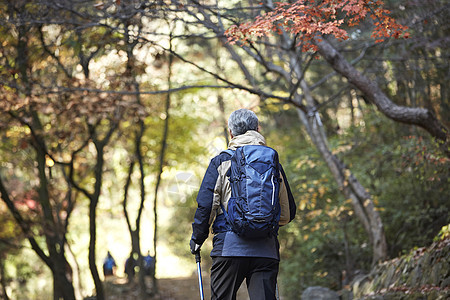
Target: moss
389, 276
427, 270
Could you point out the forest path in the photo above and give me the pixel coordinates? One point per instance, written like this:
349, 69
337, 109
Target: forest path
182, 288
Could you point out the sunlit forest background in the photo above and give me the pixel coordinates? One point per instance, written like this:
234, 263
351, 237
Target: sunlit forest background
110, 112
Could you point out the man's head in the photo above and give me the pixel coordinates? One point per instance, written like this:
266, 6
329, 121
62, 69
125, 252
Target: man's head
241, 121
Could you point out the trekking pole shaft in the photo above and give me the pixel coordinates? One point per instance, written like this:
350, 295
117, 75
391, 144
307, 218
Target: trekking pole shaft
199, 271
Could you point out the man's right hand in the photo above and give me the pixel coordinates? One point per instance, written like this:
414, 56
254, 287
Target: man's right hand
195, 248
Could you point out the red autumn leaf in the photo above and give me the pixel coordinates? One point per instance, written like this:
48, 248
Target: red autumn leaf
309, 17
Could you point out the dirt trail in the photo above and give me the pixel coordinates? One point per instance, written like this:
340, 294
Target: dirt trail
188, 288
185, 288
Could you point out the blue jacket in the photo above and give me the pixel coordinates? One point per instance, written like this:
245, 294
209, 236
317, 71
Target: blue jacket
215, 190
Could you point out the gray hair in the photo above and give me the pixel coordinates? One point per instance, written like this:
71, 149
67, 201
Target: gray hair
242, 120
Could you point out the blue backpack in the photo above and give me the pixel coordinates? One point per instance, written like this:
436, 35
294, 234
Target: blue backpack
254, 206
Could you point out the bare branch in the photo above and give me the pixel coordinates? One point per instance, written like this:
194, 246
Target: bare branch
410, 115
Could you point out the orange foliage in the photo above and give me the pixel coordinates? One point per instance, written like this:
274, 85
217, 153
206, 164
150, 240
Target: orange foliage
309, 19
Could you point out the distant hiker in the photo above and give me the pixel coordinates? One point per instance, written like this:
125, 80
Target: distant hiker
130, 264
246, 195
109, 265
149, 265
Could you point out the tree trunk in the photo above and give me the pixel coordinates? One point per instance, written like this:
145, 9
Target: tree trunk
161, 164
223, 119
348, 184
410, 115
361, 200
3, 294
135, 233
54, 232
62, 280
92, 241
94, 198
62, 284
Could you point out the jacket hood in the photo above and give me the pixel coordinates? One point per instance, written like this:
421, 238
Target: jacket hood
251, 137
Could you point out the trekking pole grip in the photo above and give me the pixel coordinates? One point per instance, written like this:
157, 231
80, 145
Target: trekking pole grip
198, 258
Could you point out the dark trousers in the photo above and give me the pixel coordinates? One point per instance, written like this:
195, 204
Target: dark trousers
228, 273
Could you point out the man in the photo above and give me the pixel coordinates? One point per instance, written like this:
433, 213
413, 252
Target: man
236, 258
109, 265
149, 265
130, 264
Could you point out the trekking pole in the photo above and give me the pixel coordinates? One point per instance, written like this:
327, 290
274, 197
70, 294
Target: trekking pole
199, 271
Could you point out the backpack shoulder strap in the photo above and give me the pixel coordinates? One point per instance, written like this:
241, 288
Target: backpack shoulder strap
229, 151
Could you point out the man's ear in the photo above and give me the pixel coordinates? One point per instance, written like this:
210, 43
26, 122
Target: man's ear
229, 130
